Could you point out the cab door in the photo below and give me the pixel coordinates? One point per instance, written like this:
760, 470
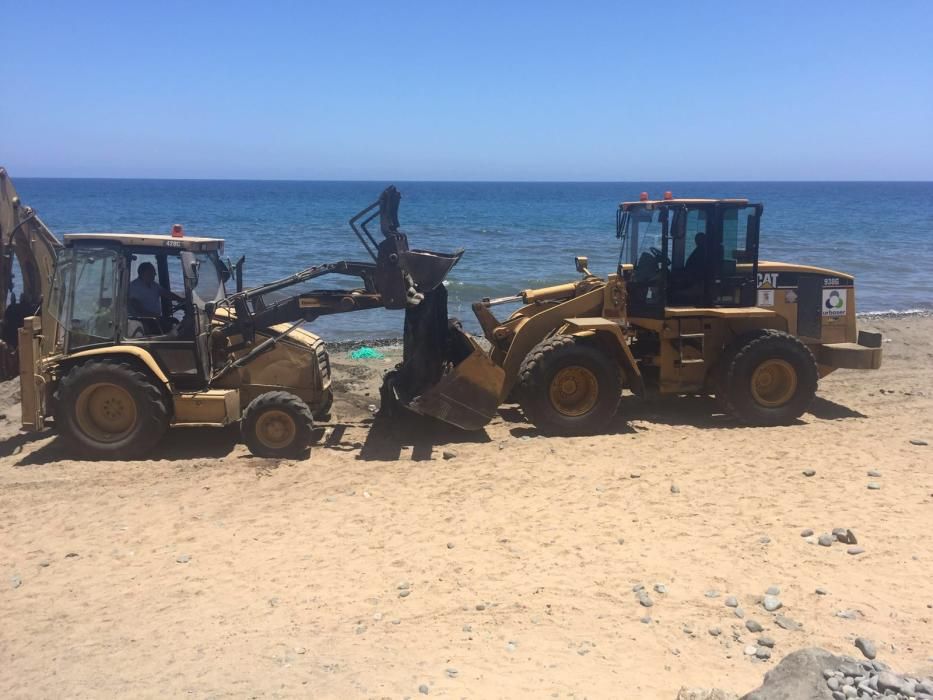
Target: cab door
191, 269
735, 262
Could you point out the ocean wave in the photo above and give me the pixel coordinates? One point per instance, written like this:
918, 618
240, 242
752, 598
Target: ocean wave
895, 313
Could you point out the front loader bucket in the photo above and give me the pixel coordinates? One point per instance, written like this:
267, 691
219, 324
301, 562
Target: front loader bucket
468, 395
444, 373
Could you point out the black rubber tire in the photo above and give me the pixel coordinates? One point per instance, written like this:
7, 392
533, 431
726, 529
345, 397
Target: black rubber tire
752, 350
150, 401
540, 367
720, 375
287, 403
323, 412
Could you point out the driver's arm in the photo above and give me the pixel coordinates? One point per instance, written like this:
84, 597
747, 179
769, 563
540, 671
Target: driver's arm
166, 294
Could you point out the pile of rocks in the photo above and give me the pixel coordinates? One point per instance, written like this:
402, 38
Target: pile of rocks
873, 679
820, 675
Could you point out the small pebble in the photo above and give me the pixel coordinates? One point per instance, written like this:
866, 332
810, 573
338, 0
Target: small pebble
764, 539
360, 629
645, 600
468, 628
646, 620
448, 454
404, 593
786, 623
300, 650
873, 472
423, 689
183, 558
867, 647
763, 653
873, 486
773, 590
821, 591
732, 602
806, 533
452, 672
750, 650
634, 475
712, 593
621, 540
675, 488
850, 537
715, 631
919, 443
511, 646
753, 626
771, 603
44, 563
16, 581
809, 472
638, 587
766, 642
450, 545
826, 540
855, 550
480, 606
403, 585
660, 588
739, 613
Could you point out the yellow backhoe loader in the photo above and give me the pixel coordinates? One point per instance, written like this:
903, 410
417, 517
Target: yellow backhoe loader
111, 356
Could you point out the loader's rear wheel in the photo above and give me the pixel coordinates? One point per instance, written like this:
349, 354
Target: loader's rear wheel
566, 387
771, 379
110, 409
277, 424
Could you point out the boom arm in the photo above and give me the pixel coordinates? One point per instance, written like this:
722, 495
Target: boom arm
397, 278
24, 237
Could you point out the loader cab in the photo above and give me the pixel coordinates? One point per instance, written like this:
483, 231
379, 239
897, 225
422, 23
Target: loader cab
140, 292
688, 253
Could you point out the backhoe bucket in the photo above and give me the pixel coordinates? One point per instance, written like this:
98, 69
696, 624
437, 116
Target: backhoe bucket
468, 395
427, 268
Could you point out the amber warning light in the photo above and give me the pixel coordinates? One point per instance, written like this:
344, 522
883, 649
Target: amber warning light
177, 231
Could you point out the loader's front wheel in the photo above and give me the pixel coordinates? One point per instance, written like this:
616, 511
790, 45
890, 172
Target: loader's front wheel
567, 387
110, 409
771, 378
277, 424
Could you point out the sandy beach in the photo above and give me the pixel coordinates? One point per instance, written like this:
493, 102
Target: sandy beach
401, 559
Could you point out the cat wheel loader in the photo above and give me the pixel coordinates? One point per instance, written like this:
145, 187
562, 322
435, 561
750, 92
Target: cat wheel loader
112, 377
690, 310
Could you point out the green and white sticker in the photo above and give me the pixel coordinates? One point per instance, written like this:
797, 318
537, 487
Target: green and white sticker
834, 302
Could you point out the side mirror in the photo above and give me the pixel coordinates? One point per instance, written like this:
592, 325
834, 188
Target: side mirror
582, 262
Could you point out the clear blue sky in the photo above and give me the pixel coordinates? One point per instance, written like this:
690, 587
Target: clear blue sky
468, 90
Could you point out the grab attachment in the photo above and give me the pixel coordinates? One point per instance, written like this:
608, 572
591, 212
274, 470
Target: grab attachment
402, 275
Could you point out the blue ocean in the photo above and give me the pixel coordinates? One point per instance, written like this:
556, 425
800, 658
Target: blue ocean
516, 235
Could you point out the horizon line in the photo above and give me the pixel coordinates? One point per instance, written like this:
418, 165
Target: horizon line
462, 182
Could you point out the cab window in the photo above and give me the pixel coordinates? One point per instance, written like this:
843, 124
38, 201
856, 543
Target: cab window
83, 296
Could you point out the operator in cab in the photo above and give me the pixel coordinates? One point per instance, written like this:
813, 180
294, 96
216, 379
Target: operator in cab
146, 294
